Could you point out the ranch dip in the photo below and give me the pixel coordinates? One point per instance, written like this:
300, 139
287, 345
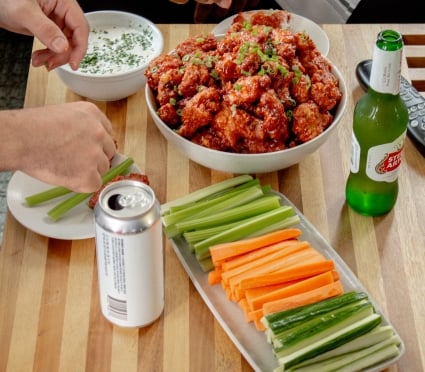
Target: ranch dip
117, 49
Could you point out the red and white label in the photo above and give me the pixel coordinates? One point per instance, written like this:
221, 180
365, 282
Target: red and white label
383, 161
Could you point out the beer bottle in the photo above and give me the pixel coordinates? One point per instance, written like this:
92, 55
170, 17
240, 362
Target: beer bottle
379, 129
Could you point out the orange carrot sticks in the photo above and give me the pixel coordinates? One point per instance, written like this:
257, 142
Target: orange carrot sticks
315, 295
223, 251
214, 276
302, 286
245, 258
308, 254
289, 273
272, 257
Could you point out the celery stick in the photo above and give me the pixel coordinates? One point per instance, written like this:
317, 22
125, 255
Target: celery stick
250, 204
215, 197
46, 195
245, 197
206, 191
60, 209
260, 205
282, 224
224, 201
195, 236
206, 264
192, 237
242, 229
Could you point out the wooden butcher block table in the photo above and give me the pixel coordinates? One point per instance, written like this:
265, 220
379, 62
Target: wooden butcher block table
50, 318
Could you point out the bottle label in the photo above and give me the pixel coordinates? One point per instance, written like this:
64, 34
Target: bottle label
383, 161
386, 71
355, 154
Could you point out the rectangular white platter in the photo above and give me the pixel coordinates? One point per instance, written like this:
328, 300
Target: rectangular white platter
252, 343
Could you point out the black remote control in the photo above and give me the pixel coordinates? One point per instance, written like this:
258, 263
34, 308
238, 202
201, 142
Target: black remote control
415, 103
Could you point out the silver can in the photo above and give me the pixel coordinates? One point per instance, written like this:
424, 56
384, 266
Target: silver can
129, 251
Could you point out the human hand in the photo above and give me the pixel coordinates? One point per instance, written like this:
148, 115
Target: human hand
212, 11
68, 144
60, 25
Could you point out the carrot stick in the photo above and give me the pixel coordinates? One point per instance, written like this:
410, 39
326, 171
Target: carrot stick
214, 276
273, 256
223, 251
315, 295
255, 316
277, 265
308, 255
245, 258
251, 293
302, 270
302, 286
243, 304
335, 274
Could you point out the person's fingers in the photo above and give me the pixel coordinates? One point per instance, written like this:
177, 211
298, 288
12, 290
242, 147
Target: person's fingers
103, 166
79, 47
77, 30
105, 122
45, 57
65, 35
109, 148
47, 31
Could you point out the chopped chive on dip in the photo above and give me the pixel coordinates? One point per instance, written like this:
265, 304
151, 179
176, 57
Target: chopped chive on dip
117, 49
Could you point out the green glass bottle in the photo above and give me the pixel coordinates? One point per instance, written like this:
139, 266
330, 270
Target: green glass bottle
379, 129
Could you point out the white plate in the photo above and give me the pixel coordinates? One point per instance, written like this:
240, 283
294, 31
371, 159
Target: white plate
250, 342
296, 24
76, 224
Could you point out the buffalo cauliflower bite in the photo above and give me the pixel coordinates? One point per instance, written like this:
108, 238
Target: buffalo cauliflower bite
167, 87
194, 76
246, 90
325, 90
308, 121
199, 111
193, 45
232, 126
275, 121
273, 19
169, 115
161, 64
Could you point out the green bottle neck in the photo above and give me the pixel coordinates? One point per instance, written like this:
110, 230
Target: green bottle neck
386, 67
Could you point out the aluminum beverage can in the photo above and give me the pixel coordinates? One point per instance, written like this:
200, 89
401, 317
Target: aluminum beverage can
129, 254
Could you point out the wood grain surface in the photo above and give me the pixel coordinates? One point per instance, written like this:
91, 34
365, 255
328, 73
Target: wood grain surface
49, 307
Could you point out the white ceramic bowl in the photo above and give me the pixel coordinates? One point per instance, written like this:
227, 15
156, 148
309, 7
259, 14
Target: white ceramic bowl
247, 163
116, 85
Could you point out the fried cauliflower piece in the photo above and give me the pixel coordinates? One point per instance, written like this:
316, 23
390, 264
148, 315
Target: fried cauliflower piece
325, 90
246, 90
192, 45
194, 76
167, 87
309, 121
199, 111
161, 64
